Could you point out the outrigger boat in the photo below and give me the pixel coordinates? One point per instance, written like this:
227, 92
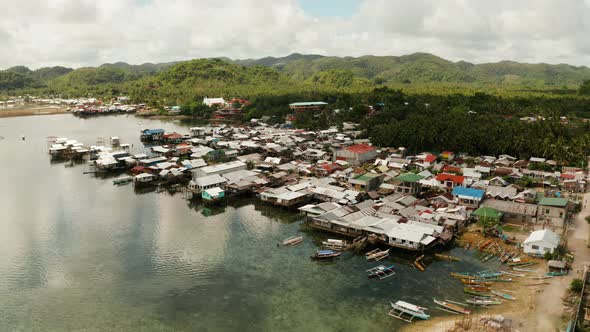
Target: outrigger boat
325, 254
482, 301
504, 295
381, 271
377, 254
452, 307
123, 180
407, 312
447, 257
293, 240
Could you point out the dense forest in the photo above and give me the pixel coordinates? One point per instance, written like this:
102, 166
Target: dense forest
419, 101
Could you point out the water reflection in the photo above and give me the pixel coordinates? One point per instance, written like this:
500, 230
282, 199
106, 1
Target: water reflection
78, 253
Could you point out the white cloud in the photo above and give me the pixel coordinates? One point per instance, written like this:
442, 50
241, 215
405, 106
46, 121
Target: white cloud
84, 32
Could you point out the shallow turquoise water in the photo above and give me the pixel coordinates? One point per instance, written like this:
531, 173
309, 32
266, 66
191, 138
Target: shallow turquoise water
77, 253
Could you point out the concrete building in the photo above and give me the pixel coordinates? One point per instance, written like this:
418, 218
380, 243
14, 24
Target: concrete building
356, 154
554, 211
408, 183
540, 242
366, 182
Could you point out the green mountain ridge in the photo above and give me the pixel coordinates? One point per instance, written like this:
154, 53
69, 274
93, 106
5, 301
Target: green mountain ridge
297, 69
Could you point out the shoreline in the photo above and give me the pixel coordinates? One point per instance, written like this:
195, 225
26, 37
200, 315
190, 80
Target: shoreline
18, 112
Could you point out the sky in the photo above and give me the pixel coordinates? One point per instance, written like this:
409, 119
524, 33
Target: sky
76, 33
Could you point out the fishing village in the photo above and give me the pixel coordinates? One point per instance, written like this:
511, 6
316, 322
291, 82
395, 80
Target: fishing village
514, 215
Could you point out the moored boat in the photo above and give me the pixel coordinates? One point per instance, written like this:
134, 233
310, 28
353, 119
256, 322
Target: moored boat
407, 312
447, 257
473, 292
452, 307
381, 271
293, 240
504, 295
325, 254
482, 301
475, 282
377, 254
123, 180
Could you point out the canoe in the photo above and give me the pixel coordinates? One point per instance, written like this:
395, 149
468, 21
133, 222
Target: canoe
469, 291
293, 240
452, 307
504, 295
325, 254
479, 288
556, 273
447, 257
482, 301
475, 282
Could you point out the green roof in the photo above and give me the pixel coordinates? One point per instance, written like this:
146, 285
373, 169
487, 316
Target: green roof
553, 201
487, 212
408, 177
309, 103
367, 176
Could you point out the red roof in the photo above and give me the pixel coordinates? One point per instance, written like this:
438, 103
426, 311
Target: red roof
442, 177
568, 176
360, 148
172, 136
450, 168
430, 158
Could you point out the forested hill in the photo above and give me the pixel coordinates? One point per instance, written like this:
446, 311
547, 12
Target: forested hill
295, 71
427, 68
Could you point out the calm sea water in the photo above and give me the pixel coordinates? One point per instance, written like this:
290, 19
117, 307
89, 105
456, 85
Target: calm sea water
77, 253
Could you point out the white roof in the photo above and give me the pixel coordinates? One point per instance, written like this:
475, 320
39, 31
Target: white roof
214, 191
209, 180
223, 167
543, 235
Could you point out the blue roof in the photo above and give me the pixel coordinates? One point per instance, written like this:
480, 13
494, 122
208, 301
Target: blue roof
153, 131
469, 192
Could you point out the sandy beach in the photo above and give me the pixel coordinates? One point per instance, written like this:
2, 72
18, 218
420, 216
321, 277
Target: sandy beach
537, 308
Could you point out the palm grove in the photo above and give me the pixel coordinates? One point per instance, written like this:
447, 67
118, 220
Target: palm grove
431, 105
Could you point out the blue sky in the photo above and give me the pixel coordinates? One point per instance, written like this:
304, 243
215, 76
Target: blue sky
340, 8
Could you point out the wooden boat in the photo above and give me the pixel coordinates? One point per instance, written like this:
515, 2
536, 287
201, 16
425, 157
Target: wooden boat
418, 263
518, 262
487, 257
556, 273
479, 288
447, 257
521, 269
485, 244
475, 282
452, 307
293, 240
335, 244
325, 254
123, 180
470, 291
377, 254
482, 301
407, 312
504, 295
381, 272
476, 275
512, 274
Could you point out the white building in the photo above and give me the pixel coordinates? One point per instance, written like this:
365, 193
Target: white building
540, 242
213, 101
